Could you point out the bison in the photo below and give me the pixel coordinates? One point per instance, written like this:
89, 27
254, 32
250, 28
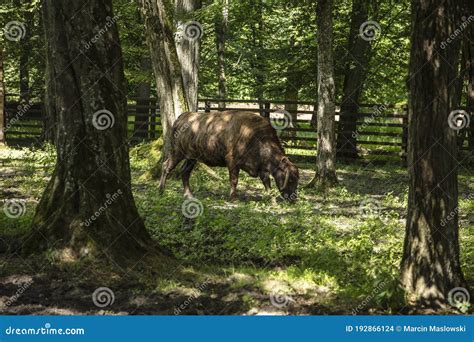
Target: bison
237, 139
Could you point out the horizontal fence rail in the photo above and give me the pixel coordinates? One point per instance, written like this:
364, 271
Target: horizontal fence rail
380, 133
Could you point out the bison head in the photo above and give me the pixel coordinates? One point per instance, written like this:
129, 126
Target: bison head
286, 177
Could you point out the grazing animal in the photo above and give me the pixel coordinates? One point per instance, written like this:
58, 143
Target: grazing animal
236, 139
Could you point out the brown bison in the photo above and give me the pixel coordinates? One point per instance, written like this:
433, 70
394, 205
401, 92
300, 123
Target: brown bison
236, 139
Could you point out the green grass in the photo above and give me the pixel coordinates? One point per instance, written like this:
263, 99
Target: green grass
325, 247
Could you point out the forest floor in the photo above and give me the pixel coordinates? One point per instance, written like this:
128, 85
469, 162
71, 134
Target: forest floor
333, 252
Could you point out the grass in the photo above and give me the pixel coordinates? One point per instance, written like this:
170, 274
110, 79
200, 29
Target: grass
339, 249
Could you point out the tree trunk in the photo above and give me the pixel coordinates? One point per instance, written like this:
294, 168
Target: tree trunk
294, 81
430, 267
258, 64
2, 101
142, 115
326, 137
357, 60
87, 208
221, 26
188, 50
174, 97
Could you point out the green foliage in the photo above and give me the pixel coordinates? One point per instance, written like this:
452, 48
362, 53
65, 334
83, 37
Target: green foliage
325, 247
269, 41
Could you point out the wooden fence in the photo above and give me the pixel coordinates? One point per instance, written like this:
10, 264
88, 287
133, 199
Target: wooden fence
381, 134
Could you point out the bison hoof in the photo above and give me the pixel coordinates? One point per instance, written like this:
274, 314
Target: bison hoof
188, 195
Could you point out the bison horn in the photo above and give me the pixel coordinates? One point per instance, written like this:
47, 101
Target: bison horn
287, 178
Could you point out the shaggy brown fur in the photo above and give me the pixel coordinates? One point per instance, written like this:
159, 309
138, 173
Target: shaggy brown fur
236, 139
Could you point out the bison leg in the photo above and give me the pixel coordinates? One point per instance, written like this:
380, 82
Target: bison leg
168, 166
265, 177
188, 167
234, 179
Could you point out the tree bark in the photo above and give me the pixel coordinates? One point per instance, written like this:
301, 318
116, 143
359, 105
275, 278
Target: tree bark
430, 266
326, 137
2, 101
357, 60
175, 98
294, 81
87, 208
257, 63
221, 26
188, 51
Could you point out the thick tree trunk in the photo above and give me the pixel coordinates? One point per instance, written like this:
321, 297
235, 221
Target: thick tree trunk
326, 137
142, 115
221, 26
87, 208
2, 101
188, 50
430, 267
175, 98
357, 60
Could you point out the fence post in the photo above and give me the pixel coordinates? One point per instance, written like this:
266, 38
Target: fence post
142, 117
207, 106
266, 110
405, 136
